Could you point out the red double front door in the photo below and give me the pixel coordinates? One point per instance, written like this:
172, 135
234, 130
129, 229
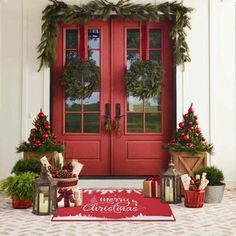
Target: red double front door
144, 125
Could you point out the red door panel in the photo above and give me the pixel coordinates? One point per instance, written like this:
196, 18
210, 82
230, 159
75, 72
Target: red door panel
73, 120
139, 152
145, 125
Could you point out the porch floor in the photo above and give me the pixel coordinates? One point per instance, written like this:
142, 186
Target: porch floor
212, 219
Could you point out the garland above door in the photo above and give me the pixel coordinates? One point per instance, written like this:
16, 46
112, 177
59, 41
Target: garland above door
102, 9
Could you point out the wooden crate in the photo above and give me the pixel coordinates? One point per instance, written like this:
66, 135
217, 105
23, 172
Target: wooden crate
187, 163
49, 155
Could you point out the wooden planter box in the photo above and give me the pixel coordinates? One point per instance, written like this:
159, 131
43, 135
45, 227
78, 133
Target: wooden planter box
49, 155
187, 163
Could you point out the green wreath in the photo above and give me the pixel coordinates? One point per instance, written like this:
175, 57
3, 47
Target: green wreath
80, 79
144, 79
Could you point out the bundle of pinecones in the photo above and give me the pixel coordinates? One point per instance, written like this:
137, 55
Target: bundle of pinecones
65, 172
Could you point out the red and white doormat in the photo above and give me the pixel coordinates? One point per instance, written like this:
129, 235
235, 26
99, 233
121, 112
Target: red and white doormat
116, 205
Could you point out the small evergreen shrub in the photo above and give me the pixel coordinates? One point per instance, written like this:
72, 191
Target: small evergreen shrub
27, 165
213, 174
19, 186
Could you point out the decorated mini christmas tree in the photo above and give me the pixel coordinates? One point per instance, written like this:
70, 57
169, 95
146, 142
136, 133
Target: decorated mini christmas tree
41, 139
188, 137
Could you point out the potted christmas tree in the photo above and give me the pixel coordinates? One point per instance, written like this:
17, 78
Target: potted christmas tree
41, 141
189, 148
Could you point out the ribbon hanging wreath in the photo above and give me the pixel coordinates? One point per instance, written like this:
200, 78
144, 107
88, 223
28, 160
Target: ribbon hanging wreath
80, 79
144, 79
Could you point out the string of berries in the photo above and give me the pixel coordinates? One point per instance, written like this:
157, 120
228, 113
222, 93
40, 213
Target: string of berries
41, 138
188, 137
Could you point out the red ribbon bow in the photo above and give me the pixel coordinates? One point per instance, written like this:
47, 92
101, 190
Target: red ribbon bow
67, 195
153, 180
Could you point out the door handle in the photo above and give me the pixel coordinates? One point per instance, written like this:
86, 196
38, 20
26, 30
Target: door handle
108, 111
118, 116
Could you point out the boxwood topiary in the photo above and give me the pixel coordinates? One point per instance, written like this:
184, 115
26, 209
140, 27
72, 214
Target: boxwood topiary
214, 175
27, 165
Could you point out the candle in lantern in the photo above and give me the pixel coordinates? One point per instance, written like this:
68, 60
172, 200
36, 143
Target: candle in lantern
171, 192
167, 193
43, 204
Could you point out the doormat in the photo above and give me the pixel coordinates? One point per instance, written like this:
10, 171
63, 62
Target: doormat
116, 205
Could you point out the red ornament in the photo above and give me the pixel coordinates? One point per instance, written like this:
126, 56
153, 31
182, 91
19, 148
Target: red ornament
33, 130
172, 141
203, 139
37, 142
190, 122
195, 117
182, 134
54, 136
181, 124
47, 127
191, 128
191, 181
198, 130
186, 137
44, 136
30, 139
36, 123
191, 110
185, 116
196, 122
41, 115
74, 175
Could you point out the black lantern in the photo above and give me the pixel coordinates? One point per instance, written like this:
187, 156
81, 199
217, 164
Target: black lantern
44, 194
171, 185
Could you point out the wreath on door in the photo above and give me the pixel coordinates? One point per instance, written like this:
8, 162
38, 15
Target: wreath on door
144, 79
80, 79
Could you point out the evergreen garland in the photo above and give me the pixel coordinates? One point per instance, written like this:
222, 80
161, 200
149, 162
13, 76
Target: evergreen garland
80, 79
102, 9
144, 79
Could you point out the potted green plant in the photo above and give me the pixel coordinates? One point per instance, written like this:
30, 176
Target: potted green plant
20, 189
188, 147
27, 165
215, 189
41, 141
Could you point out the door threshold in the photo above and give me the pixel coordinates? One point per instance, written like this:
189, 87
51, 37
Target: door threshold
115, 177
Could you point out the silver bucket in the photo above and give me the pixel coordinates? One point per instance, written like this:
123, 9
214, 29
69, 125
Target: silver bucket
214, 194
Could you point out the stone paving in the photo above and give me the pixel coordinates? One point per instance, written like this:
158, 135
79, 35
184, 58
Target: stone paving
212, 219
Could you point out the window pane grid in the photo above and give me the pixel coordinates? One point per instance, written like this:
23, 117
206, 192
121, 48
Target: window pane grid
83, 115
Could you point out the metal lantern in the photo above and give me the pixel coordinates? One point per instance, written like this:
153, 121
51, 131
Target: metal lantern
44, 194
170, 185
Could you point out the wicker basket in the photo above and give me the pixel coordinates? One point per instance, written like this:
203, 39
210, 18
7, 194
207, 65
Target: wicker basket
68, 183
194, 199
21, 204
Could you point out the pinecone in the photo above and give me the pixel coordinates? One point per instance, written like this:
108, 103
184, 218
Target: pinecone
68, 167
64, 174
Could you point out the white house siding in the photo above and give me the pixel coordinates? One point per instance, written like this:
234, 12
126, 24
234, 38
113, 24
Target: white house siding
208, 81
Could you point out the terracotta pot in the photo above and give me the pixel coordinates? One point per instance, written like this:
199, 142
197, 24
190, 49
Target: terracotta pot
187, 163
21, 204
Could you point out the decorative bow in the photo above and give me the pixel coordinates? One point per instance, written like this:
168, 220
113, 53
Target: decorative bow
67, 195
153, 180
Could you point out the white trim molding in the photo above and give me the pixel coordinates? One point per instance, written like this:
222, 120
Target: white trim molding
24, 74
